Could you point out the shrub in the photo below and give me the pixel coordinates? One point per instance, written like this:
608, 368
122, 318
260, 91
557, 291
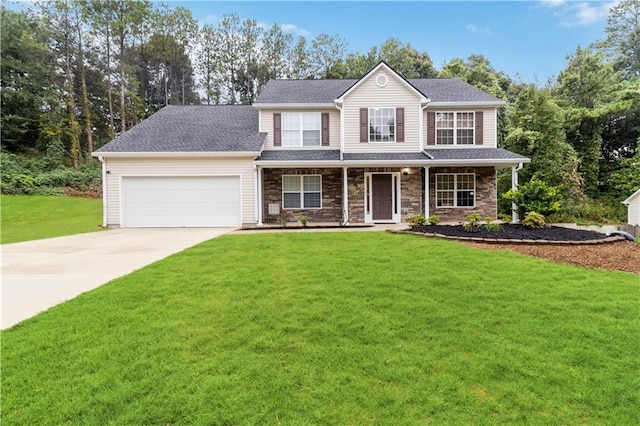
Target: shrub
303, 219
433, 220
536, 196
493, 227
418, 220
505, 217
473, 223
534, 220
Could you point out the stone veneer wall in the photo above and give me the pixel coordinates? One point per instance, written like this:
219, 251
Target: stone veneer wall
486, 192
331, 210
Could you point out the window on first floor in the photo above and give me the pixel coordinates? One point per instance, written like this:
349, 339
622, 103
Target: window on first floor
301, 129
455, 128
455, 190
301, 191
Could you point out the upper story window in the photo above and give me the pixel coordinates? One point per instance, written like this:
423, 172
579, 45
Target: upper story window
382, 124
301, 129
455, 128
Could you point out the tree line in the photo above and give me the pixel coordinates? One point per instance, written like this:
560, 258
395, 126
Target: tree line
76, 73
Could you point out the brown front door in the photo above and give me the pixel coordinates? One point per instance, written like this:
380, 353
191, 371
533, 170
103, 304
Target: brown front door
382, 194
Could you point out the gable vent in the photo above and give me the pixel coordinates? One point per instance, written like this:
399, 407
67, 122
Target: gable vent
381, 80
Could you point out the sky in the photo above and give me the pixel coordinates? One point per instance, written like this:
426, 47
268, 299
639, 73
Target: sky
530, 39
525, 39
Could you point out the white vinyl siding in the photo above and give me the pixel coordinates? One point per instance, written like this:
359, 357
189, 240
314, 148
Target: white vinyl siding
117, 167
266, 125
369, 95
489, 126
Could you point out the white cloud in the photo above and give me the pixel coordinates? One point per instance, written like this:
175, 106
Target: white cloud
291, 28
208, 20
473, 28
579, 13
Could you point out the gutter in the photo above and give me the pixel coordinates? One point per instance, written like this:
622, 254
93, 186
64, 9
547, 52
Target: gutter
151, 154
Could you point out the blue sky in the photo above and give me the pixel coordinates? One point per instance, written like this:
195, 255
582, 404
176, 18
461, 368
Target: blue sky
526, 38
531, 39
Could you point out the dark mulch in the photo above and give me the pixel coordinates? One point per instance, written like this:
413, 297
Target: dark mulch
515, 232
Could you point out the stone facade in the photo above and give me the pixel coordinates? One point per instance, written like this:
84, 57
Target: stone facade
486, 190
411, 190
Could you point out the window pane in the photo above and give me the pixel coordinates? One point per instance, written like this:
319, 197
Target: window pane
312, 183
465, 199
311, 121
291, 201
311, 138
465, 120
465, 137
291, 183
445, 137
444, 120
290, 121
312, 200
445, 199
465, 182
290, 138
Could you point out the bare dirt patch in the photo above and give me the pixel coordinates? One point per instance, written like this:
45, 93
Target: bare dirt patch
618, 256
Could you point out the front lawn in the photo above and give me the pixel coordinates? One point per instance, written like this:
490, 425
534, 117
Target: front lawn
334, 328
32, 217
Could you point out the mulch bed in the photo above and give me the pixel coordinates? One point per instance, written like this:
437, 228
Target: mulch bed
514, 232
614, 256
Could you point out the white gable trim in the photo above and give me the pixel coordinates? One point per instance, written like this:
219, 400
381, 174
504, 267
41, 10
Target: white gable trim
383, 65
156, 154
634, 195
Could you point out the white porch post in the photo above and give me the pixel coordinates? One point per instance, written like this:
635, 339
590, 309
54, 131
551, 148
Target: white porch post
345, 196
514, 187
259, 195
426, 192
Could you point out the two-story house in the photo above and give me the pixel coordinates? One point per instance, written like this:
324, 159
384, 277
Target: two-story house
374, 150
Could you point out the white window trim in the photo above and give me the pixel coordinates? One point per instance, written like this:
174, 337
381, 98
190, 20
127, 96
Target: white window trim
455, 190
302, 194
396, 200
300, 130
395, 130
455, 128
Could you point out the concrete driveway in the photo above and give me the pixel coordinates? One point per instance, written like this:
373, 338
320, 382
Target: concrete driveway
37, 275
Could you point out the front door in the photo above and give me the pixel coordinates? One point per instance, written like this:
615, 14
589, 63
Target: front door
382, 197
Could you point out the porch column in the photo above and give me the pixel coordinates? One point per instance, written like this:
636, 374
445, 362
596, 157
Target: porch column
345, 196
259, 195
426, 192
514, 187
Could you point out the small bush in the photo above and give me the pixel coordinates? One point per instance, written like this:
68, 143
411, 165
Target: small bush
493, 227
505, 217
433, 220
536, 196
534, 220
473, 223
303, 219
418, 220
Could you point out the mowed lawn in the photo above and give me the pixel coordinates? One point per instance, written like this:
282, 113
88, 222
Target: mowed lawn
32, 217
334, 328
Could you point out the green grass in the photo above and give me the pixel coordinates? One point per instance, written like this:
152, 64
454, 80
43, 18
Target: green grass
32, 217
334, 328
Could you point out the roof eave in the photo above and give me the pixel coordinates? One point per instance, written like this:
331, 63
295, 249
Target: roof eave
392, 163
190, 154
490, 104
631, 197
294, 105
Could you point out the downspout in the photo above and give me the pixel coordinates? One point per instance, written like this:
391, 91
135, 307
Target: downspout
104, 191
426, 192
514, 187
424, 104
259, 207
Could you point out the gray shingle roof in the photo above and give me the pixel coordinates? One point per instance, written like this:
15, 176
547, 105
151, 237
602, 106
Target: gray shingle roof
179, 128
301, 155
326, 91
386, 156
473, 154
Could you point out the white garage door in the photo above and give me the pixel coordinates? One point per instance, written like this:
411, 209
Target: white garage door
185, 201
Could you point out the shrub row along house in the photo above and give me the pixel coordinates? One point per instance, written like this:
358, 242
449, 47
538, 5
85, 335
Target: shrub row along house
375, 150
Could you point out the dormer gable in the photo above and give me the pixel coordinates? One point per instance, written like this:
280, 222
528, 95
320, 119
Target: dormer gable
382, 74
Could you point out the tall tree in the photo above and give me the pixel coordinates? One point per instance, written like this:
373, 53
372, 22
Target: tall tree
623, 36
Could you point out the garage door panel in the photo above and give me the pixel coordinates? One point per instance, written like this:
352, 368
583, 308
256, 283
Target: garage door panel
190, 201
